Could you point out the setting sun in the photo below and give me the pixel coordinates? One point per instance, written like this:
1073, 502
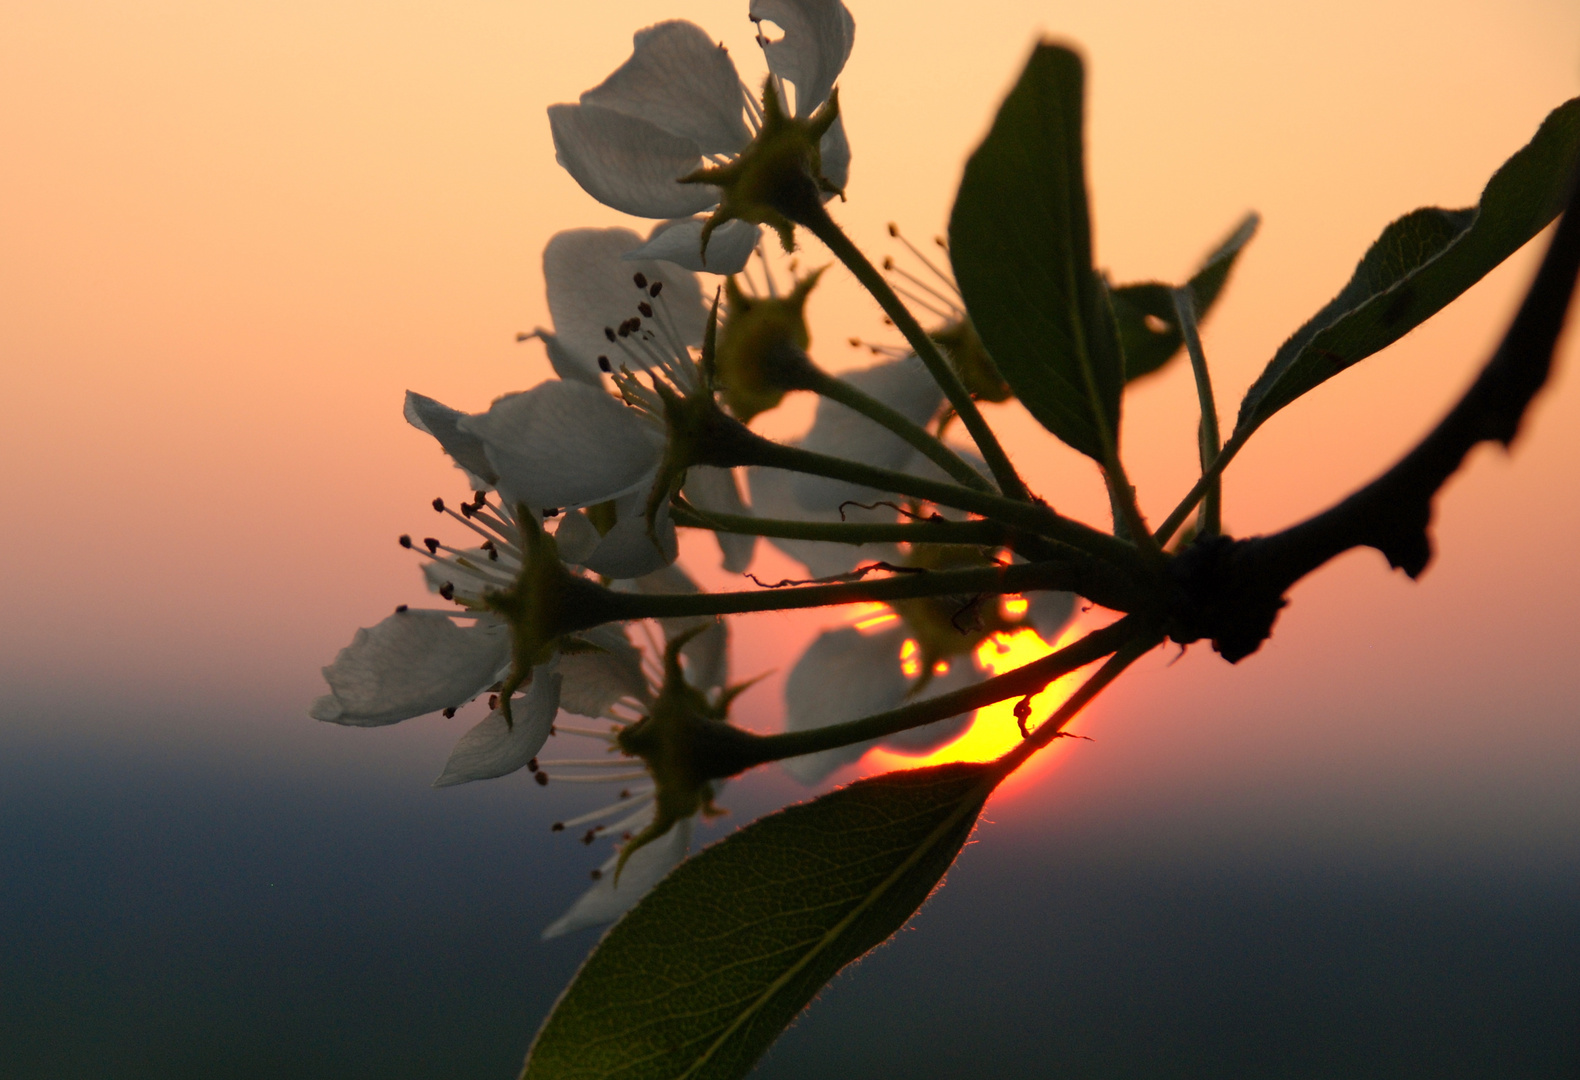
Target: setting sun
994, 729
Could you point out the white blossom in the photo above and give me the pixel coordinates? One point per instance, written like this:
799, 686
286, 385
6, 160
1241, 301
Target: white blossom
678, 104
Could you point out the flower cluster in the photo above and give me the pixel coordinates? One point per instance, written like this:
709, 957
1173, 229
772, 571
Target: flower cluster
563, 607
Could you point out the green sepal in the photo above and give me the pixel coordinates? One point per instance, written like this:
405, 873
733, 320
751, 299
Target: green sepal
760, 354
1419, 264
779, 175
536, 606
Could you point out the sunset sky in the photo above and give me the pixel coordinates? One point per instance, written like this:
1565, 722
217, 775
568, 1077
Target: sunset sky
233, 235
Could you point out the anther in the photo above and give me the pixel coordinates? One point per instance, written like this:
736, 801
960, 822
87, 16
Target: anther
400, 609
550, 512
646, 309
431, 544
592, 834
888, 262
597, 874
438, 505
558, 826
467, 510
608, 332
532, 766
605, 366
405, 541
542, 778
449, 713
894, 230
493, 702
656, 288
640, 279
447, 590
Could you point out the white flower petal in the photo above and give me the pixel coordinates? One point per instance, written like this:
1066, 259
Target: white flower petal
466, 450
843, 675
413, 662
818, 35
962, 673
445, 571
835, 151
593, 681
564, 444
627, 163
707, 654
773, 497
1049, 612
491, 748
607, 900
591, 285
566, 364
680, 242
714, 489
679, 80
627, 550
905, 386
576, 537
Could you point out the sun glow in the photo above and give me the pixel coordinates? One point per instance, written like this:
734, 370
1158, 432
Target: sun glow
993, 730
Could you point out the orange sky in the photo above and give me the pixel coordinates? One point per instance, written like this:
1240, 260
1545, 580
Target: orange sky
233, 235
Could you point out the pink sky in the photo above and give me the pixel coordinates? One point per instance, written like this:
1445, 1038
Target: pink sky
235, 234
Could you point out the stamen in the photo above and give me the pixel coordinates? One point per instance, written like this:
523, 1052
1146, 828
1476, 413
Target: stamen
768, 274
645, 795
924, 304
952, 301
947, 279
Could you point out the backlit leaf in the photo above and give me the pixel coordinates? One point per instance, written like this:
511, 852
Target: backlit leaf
1020, 241
1148, 328
702, 975
1419, 264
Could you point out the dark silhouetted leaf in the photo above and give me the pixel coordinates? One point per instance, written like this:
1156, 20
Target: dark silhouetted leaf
1148, 329
1419, 264
702, 975
1020, 240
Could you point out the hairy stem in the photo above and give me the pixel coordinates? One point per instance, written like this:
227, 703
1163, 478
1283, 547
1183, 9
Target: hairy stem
986, 581
1145, 639
1025, 680
1211, 519
822, 226
852, 397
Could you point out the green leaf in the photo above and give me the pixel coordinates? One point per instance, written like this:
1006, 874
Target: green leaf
1020, 240
1148, 328
1419, 264
702, 975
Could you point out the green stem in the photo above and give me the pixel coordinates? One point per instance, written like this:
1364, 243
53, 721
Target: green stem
1144, 641
1029, 679
985, 533
1165, 532
854, 398
752, 449
822, 226
1211, 520
986, 581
